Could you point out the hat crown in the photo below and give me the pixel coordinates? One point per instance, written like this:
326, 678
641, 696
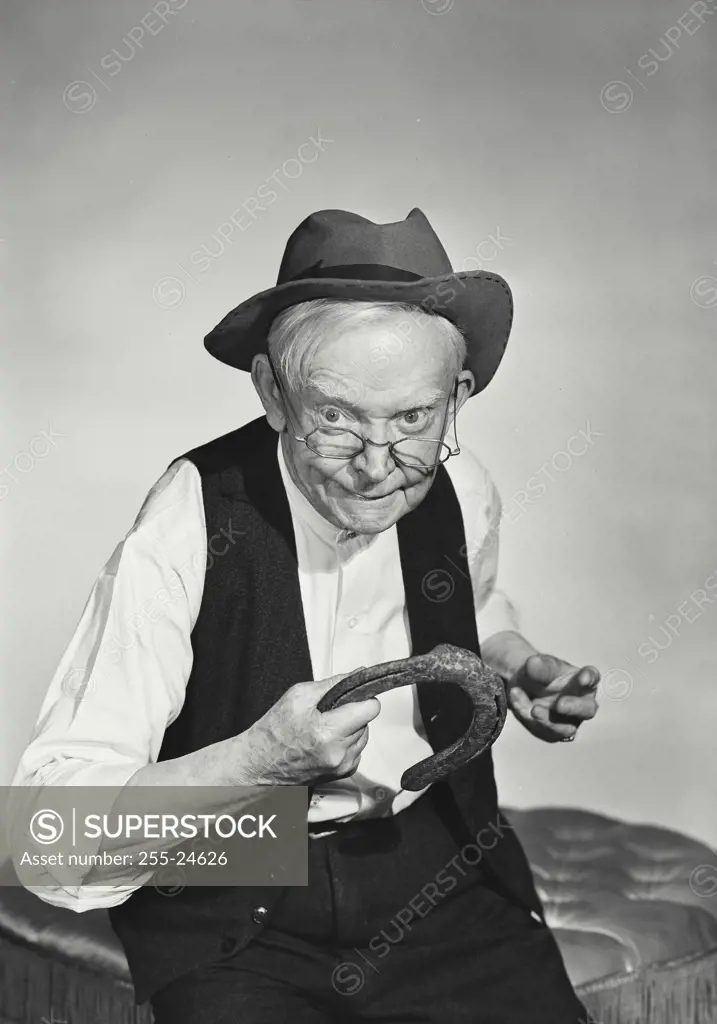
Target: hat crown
338, 238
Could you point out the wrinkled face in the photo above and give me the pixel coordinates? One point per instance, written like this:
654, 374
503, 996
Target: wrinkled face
363, 381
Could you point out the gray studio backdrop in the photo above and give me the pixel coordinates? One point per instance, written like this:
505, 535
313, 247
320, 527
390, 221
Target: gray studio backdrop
568, 146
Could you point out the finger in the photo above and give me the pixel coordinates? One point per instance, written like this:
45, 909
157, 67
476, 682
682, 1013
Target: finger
352, 716
352, 737
358, 745
520, 702
588, 677
353, 752
577, 683
540, 712
552, 729
562, 731
545, 713
582, 708
543, 668
319, 687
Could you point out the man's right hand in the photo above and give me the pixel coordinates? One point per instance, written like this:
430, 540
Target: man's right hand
295, 744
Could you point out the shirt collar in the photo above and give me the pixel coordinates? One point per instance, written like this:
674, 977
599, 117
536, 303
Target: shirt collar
305, 511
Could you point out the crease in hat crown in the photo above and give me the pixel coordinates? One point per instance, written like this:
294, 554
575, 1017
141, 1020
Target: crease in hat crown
345, 238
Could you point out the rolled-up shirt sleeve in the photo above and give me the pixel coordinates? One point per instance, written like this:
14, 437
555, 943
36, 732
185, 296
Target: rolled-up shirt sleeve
122, 678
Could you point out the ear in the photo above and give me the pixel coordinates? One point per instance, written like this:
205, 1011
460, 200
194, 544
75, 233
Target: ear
268, 392
466, 383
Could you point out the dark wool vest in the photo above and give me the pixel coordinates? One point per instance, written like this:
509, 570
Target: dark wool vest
250, 645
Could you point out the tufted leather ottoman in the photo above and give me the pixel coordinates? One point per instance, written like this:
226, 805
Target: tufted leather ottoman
633, 907
634, 911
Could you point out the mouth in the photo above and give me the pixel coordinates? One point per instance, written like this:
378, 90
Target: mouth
378, 497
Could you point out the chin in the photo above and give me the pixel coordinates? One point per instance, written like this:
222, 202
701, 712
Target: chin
373, 524
371, 517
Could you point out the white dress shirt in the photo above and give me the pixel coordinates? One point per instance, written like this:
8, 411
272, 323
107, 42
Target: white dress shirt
121, 681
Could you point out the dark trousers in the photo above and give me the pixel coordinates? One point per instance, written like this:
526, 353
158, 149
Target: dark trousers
394, 926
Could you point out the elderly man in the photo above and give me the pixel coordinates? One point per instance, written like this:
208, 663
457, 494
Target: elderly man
344, 528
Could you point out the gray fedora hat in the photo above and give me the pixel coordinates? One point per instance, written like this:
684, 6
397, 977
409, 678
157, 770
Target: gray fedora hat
340, 255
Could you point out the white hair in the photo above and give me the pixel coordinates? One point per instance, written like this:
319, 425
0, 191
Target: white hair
297, 332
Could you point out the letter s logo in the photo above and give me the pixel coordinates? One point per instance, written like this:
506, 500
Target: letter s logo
46, 827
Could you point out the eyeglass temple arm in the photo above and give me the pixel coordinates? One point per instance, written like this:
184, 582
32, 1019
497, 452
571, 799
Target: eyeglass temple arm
457, 450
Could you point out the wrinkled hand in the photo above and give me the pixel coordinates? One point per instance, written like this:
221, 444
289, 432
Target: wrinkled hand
296, 744
551, 697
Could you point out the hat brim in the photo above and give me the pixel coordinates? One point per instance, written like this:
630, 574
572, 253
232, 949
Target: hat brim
479, 303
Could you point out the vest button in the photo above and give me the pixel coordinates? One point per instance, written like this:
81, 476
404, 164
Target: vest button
258, 915
228, 944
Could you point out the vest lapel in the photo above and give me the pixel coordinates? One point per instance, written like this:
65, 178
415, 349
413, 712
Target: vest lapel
439, 600
263, 483
265, 490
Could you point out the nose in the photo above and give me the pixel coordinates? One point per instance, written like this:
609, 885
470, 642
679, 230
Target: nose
375, 463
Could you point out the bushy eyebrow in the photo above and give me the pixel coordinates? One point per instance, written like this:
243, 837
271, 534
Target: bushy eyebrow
427, 399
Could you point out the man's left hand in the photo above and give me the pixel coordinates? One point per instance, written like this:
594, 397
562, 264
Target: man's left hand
552, 697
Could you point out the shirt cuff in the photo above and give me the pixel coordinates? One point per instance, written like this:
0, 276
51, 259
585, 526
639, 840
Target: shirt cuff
80, 898
76, 772
73, 772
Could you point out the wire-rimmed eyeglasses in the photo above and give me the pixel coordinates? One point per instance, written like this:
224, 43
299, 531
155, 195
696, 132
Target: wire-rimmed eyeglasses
421, 453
